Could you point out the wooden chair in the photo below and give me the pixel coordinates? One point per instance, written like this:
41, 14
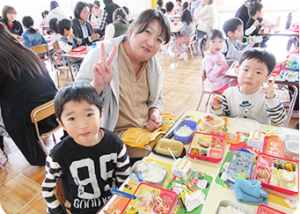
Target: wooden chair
39, 113
60, 194
42, 49
189, 45
57, 57
206, 90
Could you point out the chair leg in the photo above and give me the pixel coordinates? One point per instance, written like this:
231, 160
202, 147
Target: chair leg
57, 76
191, 51
207, 102
200, 101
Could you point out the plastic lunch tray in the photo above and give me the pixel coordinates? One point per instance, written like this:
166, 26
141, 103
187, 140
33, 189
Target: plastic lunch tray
139, 205
269, 159
213, 155
241, 165
263, 209
135, 179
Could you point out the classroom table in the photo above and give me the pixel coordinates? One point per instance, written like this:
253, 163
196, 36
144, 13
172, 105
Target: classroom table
231, 72
216, 192
274, 32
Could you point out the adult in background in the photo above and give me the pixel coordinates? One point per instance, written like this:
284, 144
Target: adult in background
106, 17
194, 5
24, 85
56, 12
82, 28
206, 17
9, 20
119, 26
243, 13
130, 79
97, 9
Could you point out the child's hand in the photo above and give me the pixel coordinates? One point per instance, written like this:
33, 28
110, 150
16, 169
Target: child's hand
219, 62
95, 36
251, 41
269, 91
256, 23
70, 37
79, 42
216, 102
102, 72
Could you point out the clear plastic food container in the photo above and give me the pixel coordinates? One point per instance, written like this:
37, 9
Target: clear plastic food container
226, 203
150, 173
291, 146
263, 209
175, 146
212, 122
244, 125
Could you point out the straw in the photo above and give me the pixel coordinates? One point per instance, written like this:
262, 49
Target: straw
172, 154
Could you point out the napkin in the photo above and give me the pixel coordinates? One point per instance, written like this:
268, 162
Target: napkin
250, 192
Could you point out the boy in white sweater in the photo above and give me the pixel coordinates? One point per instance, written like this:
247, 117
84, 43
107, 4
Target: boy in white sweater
250, 99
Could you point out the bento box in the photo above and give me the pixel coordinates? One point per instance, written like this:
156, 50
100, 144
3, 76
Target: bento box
277, 173
227, 206
244, 125
263, 209
185, 130
163, 201
148, 172
163, 145
208, 147
212, 122
241, 165
291, 146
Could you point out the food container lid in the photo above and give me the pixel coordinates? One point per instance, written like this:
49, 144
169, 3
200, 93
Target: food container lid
291, 144
244, 125
175, 146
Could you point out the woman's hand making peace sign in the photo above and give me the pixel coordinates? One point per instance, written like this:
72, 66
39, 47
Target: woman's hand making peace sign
102, 72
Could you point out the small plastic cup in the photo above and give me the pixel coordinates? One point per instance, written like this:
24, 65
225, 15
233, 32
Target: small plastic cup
94, 44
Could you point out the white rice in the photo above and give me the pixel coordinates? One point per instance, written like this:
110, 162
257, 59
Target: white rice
184, 131
150, 172
230, 210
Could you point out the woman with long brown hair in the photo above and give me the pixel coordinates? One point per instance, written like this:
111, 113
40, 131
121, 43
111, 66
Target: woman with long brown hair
24, 85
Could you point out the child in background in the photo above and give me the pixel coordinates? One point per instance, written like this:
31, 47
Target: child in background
255, 22
66, 42
214, 61
178, 7
233, 48
169, 11
250, 99
186, 29
160, 4
44, 23
184, 6
55, 35
30, 36
90, 161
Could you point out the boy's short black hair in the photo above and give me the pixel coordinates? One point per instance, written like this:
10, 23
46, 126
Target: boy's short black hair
64, 24
261, 55
76, 91
160, 3
53, 25
231, 25
169, 6
254, 7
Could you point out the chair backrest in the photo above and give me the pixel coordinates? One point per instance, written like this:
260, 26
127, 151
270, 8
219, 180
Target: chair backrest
40, 49
56, 46
193, 36
59, 192
43, 111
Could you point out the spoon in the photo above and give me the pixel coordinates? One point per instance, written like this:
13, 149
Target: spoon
225, 129
128, 195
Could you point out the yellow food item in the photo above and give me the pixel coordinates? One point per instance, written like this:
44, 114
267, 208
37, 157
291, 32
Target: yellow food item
131, 211
289, 166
